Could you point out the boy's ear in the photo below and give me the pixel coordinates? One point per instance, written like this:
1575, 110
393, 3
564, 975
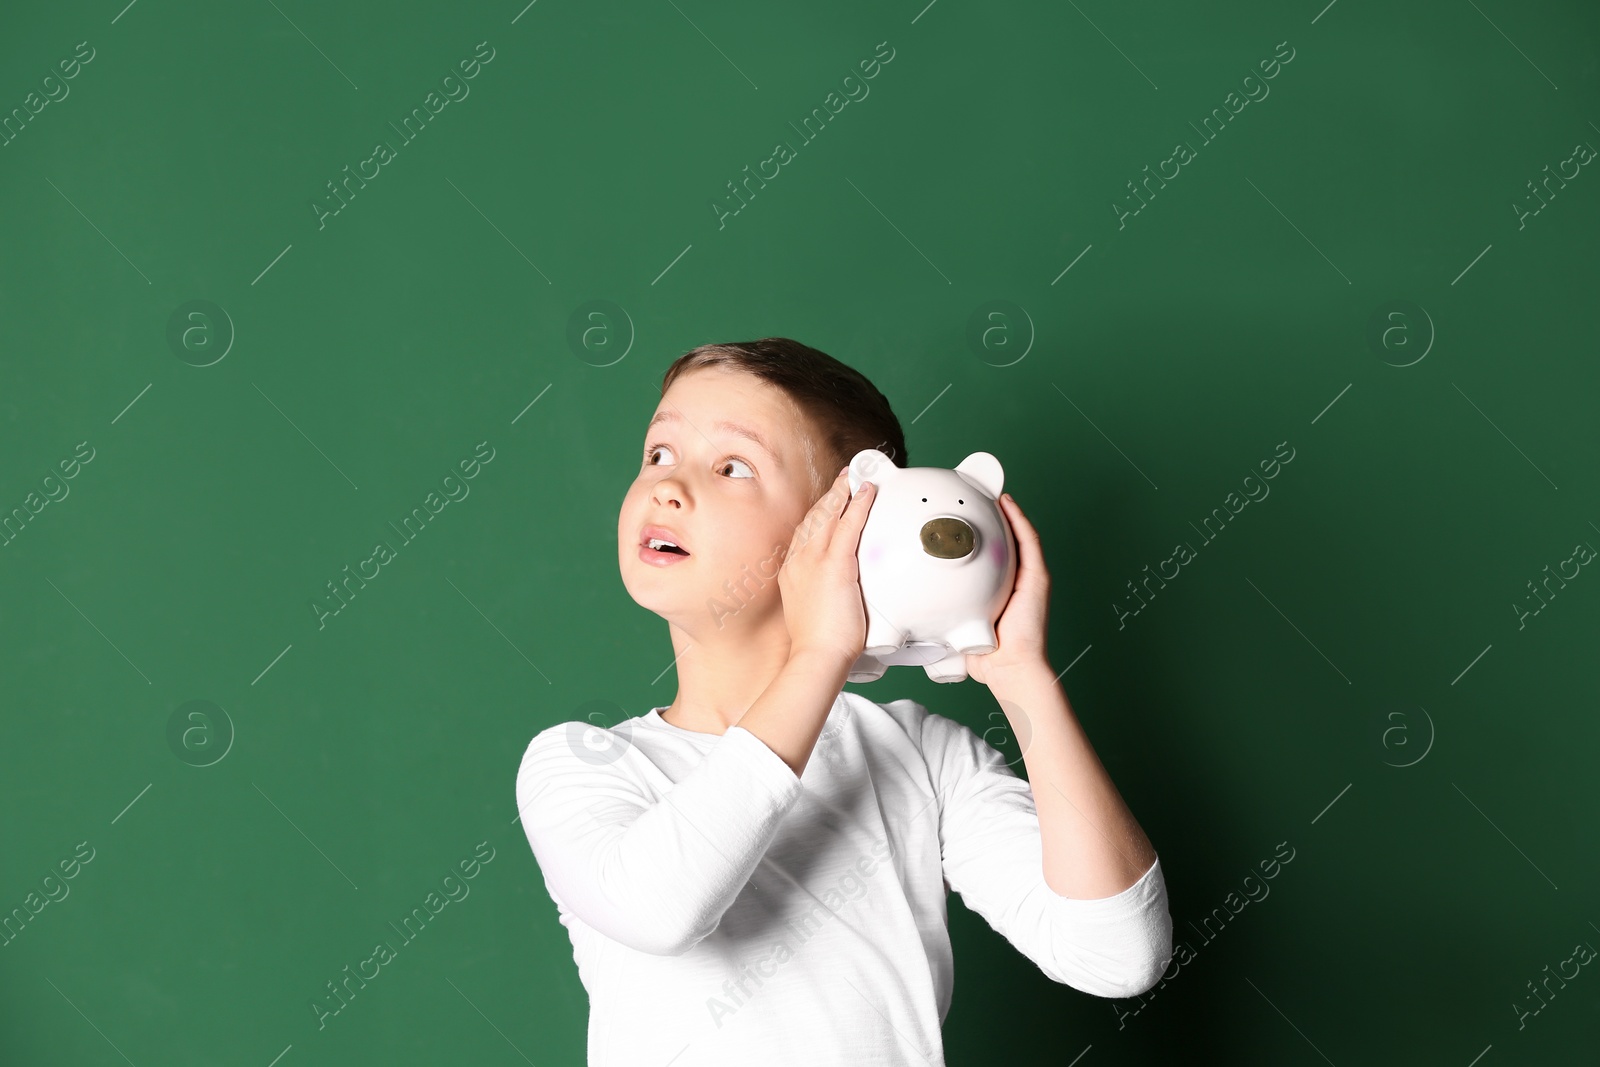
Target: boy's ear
983, 471
870, 465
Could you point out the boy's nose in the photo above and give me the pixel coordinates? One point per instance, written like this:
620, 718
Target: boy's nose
947, 538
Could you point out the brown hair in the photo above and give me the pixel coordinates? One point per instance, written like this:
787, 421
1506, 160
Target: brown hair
842, 405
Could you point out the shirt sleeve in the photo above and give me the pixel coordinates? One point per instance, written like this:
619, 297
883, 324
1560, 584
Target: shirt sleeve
1115, 946
654, 873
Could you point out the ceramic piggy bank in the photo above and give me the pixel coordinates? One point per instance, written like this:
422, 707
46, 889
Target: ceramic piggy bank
937, 561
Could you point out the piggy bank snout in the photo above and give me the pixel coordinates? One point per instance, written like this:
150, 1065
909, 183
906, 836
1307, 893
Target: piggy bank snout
948, 538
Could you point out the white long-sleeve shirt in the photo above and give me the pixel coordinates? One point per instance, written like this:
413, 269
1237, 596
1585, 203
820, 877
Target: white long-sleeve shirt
724, 911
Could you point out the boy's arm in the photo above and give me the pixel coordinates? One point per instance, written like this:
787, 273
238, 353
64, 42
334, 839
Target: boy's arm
1093, 846
657, 874
790, 712
653, 873
1112, 940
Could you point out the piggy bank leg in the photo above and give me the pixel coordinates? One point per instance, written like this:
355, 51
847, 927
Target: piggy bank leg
952, 668
883, 637
977, 637
865, 669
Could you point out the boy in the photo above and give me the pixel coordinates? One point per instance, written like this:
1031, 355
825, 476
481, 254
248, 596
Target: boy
757, 873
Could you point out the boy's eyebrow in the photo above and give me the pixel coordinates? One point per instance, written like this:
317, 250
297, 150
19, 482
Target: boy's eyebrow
730, 427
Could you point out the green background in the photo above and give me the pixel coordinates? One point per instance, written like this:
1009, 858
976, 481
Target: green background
1343, 669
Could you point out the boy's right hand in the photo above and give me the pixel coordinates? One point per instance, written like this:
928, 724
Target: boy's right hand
820, 581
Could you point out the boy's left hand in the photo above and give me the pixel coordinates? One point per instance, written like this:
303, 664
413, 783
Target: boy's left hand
1021, 628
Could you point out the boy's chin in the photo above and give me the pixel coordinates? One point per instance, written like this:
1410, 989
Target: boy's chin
713, 615
673, 605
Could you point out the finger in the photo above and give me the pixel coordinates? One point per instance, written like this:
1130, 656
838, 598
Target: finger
860, 502
818, 524
854, 518
1019, 521
1029, 550
835, 502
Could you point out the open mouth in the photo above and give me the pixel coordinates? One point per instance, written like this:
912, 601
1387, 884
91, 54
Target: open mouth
659, 547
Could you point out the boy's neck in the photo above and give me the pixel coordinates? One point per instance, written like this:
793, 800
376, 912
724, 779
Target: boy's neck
719, 680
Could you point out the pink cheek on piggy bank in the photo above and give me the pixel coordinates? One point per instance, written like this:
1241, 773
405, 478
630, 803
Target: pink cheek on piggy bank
873, 555
997, 554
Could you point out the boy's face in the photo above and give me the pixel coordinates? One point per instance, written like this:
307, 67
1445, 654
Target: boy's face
731, 503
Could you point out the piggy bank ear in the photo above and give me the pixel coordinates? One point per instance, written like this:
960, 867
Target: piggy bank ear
983, 471
870, 465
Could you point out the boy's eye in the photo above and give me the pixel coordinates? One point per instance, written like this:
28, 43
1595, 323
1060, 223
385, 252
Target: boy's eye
654, 450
